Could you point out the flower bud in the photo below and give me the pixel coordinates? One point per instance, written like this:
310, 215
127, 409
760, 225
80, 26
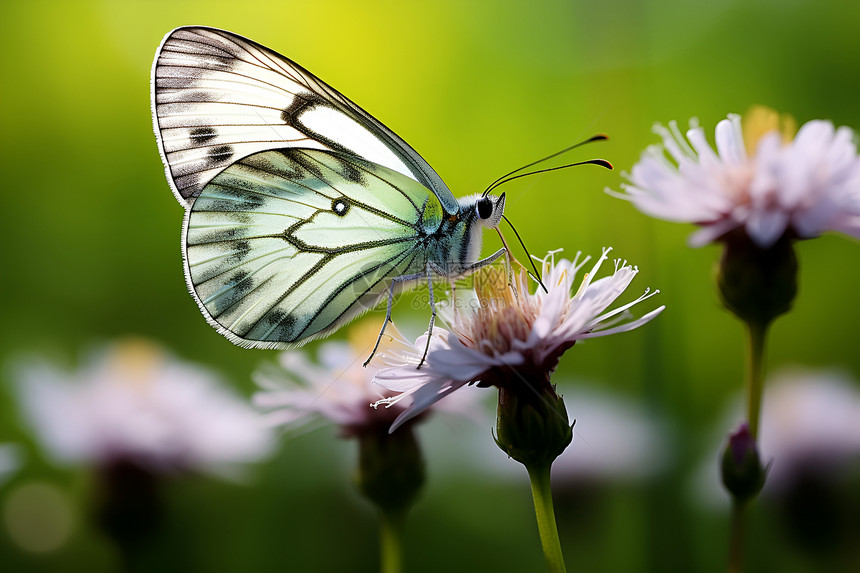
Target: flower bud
742, 472
532, 425
390, 468
756, 284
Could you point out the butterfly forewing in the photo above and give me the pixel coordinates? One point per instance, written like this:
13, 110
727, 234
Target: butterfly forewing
218, 97
286, 245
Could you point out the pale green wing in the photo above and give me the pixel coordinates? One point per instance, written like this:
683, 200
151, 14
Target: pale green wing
286, 245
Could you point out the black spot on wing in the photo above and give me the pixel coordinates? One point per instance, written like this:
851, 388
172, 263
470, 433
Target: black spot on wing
303, 162
238, 285
197, 96
266, 163
201, 135
279, 326
217, 235
350, 171
346, 165
219, 197
240, 252
219, 154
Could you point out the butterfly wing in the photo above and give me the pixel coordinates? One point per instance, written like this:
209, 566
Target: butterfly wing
218, 97
286, 245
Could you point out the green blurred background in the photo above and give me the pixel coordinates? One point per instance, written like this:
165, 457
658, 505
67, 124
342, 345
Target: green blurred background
91, 247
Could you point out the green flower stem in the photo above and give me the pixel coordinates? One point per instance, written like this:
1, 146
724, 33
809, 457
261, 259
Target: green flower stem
757, 333
539, 478
736, 543
757, 336
391, 527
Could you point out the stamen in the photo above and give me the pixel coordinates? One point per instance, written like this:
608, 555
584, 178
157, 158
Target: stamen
682, 141
646, 295
578, 265
588, 277
388, 402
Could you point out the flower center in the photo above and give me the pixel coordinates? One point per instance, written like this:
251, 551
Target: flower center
760, 120
136, 362
738, 181
501, 328
502, 318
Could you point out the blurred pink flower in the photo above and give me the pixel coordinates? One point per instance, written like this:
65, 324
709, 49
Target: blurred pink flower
801, 185
499, 334
810, 420
810, 423
297, 393
133, 402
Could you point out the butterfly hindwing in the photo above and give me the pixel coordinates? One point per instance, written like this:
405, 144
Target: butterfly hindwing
218, 97
286, 245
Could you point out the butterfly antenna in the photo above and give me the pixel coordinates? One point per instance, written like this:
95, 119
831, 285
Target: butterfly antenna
598, 137
531, 260
600, 162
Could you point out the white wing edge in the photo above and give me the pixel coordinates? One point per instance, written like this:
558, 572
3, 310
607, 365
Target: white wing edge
156, 128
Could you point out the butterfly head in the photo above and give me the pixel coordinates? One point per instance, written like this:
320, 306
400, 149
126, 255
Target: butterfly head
490, 210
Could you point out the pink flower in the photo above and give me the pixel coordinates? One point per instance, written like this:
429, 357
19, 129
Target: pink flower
297, 392
499, 335
133, 402
802, 186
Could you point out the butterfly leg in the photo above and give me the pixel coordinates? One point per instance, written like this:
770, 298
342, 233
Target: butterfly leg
394, 281
509, 271
483, 262
431, 268
469, 269
453, 274
432, 314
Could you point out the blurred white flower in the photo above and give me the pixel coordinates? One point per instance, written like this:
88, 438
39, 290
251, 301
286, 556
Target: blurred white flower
801, 186
133, 402
810, 423
298, 393
499, 334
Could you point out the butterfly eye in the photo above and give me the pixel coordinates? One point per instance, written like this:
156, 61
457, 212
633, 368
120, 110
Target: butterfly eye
340, 206
484, 207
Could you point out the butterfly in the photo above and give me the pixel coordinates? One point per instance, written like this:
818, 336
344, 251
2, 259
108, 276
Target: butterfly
302, 211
